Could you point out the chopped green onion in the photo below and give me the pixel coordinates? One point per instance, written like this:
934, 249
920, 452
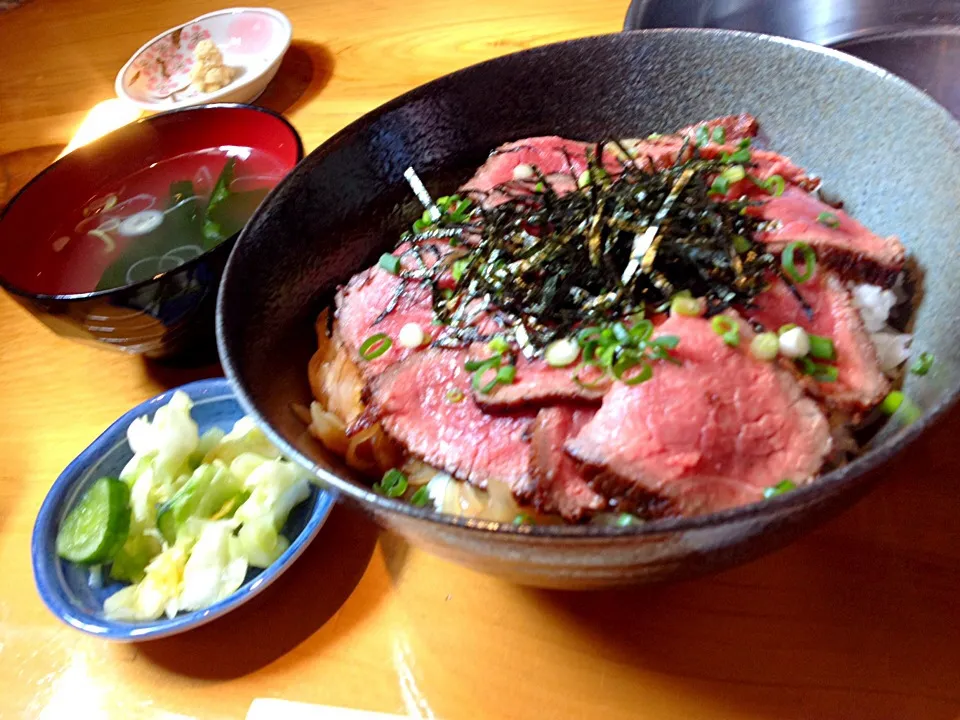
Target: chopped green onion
421, 497
719, 135
457, 269
502, 375
828, 219
892, 402
390, 263
620, 332
765, 346
720, 186
734, 174
741, 244
562, 353
741, 155
784, 486
806, 366
523, 519
821, 347
669, 342
455, 395
540, 187
795, 343
392, 485
584, 179
626, 520
498, 345
901, 407
686, 306
775, 185
922, 364
702, 136
825, 373
726, 328
587, 334
375, 346
479, 385
623, 366
809, 262
490, 362
641, 330
588, 384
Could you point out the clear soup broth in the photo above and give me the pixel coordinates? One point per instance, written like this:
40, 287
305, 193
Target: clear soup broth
156, 219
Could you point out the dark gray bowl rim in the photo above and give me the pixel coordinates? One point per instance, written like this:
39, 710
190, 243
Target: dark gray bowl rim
52, 167
367, 499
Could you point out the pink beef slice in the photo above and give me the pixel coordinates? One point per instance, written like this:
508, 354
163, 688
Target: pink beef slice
849, 248
735, 127
705, 435
860, 382
536, 384
411, 401
560, 485
362, 300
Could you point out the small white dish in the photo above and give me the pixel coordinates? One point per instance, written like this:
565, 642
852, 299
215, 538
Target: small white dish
253, 42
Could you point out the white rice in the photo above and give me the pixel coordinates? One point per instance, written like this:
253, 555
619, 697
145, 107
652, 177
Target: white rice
875, 304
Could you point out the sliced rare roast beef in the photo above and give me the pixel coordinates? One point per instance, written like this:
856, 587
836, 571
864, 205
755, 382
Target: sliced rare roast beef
424, 403
840, 242
537, 384
560, 485
362, 304
860, 384
735, 127
706, 435
508, 171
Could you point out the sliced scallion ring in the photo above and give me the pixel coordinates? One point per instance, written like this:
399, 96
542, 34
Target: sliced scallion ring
788, 262
921, 366
390, 263
775, 185
599, 382
562, 353
375, 346
734, 174
726, 328
784, 486
765, 346
623, 370
393, 484
821, 347
473, 365
829, 219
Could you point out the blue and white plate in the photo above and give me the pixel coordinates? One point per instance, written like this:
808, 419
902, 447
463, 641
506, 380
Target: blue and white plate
65, 588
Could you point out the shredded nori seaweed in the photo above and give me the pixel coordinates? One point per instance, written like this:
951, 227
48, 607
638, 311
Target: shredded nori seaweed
543, 264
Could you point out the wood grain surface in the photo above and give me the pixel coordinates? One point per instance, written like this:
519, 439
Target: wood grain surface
857, 620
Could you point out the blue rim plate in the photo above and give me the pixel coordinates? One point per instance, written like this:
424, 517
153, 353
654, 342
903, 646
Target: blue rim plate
65, 587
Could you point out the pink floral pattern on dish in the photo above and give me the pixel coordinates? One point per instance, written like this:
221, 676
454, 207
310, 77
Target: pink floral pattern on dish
165, 65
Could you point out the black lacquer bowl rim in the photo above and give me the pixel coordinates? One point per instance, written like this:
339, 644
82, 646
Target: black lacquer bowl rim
104, 141
826, 485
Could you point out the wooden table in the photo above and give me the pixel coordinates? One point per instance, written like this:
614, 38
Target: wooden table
857, 620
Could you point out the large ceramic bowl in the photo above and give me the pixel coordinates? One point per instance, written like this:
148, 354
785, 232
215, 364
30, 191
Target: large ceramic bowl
888, 150
170, 311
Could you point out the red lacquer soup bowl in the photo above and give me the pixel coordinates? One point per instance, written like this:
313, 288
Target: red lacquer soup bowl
123, 241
